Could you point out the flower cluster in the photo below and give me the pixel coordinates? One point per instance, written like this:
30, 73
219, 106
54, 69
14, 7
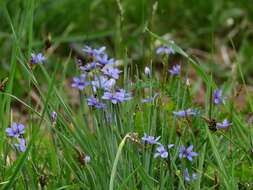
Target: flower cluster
161, 151
188, 153
17, 131
101, 75
98, 78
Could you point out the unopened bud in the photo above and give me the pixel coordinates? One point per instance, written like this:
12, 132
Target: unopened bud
147, 71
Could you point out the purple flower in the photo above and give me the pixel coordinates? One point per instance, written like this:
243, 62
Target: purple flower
184, 113
89, 66
161, 151
147, 100
150, 139
103, 83
39, 58
217, 97
16, 130
111, 72
165, 50
80, 82
21, 146
117, 97
147, 71
225, 124
94, 102
53, 116
170, 146
175, 70
187, 177
94, 52
87, 159
103, 59
187, 152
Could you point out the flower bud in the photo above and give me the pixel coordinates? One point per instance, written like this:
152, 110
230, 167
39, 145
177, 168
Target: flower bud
147, 71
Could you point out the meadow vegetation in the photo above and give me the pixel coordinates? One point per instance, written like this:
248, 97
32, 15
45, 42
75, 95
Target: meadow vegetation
126, 94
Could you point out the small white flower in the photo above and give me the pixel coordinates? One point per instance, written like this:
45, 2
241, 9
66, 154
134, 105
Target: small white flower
87, 159
147, 71
187, 82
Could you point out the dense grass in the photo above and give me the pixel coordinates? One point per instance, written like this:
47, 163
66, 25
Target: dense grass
213, 47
